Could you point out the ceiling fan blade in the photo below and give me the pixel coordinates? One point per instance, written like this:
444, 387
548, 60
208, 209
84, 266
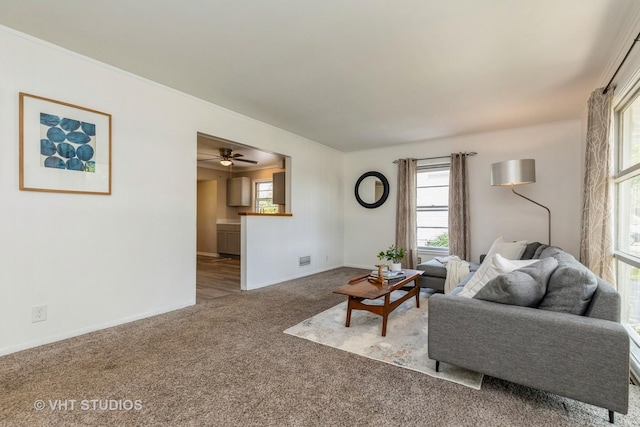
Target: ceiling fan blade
235, 155
246, 161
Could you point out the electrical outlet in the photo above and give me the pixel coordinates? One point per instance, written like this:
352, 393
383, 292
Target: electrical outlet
38, 313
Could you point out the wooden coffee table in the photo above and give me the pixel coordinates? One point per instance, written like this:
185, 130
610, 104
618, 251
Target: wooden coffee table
365, 290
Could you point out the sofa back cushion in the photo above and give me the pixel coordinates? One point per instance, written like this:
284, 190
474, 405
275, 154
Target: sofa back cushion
530, 250
525, 286
538, 251
549, 251
605, 303
571, 285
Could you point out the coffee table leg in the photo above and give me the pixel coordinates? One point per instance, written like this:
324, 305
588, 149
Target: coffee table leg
349, 312
415, 284
385, 314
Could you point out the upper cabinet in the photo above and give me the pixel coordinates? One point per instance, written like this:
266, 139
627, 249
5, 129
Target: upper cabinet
278, 188
239, 191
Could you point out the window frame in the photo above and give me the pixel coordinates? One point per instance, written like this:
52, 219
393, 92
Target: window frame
256, 200
624, 261
433, 166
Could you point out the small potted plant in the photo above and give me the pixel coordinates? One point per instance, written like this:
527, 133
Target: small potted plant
393, 254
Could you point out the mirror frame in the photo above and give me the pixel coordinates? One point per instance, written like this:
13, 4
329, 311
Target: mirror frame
385, 190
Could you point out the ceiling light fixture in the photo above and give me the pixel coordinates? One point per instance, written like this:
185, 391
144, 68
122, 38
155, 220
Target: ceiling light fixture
226, 162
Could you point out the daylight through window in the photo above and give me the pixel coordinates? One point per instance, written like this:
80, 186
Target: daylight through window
264, 198
627, 220
433, 207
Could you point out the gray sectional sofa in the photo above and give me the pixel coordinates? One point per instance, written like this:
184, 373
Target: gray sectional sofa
564, 337
435, 274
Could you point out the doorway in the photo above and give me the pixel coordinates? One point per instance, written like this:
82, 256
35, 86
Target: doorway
216, 277
221, 164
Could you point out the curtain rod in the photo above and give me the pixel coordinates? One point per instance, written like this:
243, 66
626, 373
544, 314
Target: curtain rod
637, 39
472, 153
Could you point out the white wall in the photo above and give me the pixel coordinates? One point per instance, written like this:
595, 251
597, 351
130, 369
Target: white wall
275, 244
495, 211
98, 261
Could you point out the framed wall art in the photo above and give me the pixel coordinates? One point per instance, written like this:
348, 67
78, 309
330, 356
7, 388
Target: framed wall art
64, 148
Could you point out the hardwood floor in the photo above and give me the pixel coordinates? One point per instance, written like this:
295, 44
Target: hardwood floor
216, 277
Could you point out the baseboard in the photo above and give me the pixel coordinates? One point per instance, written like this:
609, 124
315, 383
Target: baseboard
364, 267
292, 277
93, 328
211, 254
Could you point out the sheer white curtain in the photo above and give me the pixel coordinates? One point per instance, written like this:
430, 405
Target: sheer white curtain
406, 225
459, 222
596, 237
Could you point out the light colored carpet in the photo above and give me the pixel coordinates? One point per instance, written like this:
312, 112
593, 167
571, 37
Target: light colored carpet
226, 362
404, 346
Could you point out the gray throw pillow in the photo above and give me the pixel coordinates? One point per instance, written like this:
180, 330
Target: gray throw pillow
525, 286
570, 287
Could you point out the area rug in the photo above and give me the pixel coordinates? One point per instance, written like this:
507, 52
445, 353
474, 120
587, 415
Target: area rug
405, 344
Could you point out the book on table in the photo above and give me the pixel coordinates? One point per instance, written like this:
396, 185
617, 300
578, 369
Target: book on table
388, 276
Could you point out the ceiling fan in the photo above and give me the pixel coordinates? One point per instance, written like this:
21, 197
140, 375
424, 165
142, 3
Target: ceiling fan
227, 157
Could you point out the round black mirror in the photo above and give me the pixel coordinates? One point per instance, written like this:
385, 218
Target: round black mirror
372, 189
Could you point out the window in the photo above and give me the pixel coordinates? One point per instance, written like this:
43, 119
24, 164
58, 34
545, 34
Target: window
627, 220
264, 198
433, 207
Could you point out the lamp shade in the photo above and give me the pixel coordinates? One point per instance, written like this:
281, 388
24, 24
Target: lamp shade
513, 172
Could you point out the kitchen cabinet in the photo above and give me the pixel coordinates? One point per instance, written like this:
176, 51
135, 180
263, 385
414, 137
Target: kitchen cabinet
239, 191
229, 239
278, 188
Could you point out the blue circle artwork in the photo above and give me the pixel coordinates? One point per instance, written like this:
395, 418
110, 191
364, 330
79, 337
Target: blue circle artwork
54, 162
67, 143
75, 164
47, 148
69, 124
84, 152
56, 134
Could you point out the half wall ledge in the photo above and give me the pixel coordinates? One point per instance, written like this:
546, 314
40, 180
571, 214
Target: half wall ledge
263, 214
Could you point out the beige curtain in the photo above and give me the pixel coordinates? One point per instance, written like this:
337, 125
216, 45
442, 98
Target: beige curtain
459, 224
406, 212
596, 239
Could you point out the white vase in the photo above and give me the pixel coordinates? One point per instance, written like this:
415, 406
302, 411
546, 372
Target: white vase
396, 266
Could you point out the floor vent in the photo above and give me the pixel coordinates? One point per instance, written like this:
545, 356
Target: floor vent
305, 260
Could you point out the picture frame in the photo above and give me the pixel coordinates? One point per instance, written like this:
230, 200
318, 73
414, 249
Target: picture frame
64, 148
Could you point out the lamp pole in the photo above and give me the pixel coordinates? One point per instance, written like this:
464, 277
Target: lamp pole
542, 206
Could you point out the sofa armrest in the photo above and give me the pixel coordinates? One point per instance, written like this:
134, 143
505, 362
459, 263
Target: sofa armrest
579, 357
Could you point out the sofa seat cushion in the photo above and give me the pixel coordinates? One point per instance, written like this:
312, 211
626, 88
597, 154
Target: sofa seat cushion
525, 286
433, 268
570, 287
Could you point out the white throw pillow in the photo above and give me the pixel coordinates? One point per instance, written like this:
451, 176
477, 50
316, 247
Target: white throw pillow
490, 269
509, 250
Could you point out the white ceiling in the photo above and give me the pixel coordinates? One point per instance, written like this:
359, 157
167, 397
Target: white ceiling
209, 153
355, 74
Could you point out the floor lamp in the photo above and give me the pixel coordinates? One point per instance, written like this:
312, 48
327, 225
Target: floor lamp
517, 172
